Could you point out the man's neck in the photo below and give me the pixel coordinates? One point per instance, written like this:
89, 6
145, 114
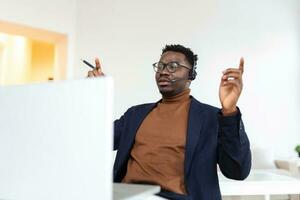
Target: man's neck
178, 97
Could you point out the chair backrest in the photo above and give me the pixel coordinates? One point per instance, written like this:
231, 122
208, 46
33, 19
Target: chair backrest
289, 165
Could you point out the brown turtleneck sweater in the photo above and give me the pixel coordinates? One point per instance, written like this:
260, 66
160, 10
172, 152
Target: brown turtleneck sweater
157, 156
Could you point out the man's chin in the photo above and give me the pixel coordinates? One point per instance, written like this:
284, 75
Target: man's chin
166, 91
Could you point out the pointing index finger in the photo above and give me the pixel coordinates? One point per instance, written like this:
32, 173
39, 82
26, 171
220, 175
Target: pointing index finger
241, 66
98, 65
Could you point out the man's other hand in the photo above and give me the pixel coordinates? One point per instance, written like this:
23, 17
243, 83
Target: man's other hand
97, 72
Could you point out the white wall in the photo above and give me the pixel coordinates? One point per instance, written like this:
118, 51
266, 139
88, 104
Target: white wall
128, 37
55, 15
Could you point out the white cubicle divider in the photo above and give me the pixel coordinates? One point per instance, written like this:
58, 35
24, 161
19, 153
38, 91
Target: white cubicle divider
56, 140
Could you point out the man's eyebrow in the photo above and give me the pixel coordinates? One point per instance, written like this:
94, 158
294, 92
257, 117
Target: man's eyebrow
170, 61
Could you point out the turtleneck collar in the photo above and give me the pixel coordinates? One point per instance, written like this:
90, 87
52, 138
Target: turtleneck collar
183, 96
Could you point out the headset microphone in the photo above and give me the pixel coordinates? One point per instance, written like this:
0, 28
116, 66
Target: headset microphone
178, 79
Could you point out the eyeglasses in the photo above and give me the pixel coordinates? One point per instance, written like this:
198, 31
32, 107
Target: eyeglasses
171, 66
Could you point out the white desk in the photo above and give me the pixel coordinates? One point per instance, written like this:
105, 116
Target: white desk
135, 192
260, 182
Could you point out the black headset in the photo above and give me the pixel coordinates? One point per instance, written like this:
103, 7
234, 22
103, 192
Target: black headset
193, 73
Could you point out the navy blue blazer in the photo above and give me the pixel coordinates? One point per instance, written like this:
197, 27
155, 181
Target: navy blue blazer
211, 139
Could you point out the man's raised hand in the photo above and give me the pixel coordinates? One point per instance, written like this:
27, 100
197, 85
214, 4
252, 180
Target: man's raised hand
231, 86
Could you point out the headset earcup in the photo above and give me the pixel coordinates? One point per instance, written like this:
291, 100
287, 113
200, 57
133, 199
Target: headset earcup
192, 74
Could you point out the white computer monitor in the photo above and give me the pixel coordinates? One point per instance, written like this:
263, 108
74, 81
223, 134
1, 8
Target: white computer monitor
56, 140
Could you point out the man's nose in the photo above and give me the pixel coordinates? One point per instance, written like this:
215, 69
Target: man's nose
164, 71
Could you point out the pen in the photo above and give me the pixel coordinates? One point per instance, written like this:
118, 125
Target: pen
88, 64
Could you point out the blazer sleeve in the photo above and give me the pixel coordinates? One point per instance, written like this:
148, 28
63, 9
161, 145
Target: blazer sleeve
234, 155
119, 126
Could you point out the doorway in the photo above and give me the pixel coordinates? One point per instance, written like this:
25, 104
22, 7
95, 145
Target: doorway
29, 55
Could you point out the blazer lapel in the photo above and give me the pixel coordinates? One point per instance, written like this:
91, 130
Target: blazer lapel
195, 122
140, 118
125, 148
134, 126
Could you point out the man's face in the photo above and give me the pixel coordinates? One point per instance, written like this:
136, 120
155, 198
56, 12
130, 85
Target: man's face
170, 84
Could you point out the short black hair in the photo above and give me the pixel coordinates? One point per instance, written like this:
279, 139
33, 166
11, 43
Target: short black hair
189, 54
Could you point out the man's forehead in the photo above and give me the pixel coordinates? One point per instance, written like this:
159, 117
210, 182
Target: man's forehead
172, 56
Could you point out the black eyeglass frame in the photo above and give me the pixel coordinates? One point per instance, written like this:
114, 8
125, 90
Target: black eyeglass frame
168, 65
